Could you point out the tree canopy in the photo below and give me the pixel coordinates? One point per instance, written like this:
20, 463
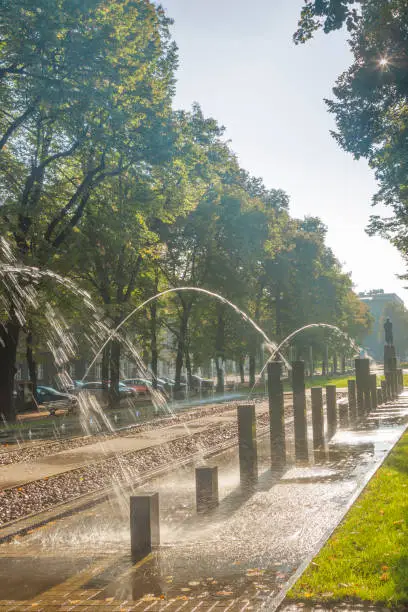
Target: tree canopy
370, 98
102, 180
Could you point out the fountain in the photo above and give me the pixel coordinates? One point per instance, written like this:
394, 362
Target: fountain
275, 349
256, 534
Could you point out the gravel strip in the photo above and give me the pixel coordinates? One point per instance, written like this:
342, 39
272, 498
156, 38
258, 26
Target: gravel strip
43, 449
29, 453
40, 495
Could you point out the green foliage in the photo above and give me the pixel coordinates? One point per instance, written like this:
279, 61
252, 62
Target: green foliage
328, 15
86, 96
370, 104
101, 180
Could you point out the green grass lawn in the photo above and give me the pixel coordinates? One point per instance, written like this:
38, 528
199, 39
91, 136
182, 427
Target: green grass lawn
321, 381
367, 556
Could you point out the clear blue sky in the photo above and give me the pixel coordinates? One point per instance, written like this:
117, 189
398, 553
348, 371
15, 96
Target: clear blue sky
238, 61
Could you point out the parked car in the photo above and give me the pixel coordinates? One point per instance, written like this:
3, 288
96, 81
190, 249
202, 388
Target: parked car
197, 383
142, 386
169, 383
54, 399
97, 388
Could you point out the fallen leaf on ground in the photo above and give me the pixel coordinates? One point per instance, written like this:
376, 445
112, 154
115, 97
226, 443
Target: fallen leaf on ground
255, 572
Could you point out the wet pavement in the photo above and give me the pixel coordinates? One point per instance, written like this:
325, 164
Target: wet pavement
238, 557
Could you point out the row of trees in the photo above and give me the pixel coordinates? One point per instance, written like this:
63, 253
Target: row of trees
104, 182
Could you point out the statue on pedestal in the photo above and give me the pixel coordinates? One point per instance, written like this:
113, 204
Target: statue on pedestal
389, 340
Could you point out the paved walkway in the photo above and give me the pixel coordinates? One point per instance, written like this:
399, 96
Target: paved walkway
240, 557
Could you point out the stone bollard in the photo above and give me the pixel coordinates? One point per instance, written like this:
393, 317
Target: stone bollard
388, 380
331, 410
379, 396
276, 415
363, 390
248, 454
394, 378
206, 488
317, 418
344, 420
299, 410
144, 524
384, 391
352, 400
400, 380
373, 390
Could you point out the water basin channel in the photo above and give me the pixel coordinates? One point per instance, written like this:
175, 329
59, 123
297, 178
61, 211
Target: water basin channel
236, 557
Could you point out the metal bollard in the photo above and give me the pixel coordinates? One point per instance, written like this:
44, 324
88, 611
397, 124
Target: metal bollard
388, 380
317, 418
206, 488
352, 400
331, 403
144, 524
344, 420
276, 415
248, 454
373, 390
394, 379
363, 393
299, 410
384, 391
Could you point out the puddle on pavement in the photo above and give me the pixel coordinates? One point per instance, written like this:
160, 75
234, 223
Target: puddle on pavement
23, 578
249, 545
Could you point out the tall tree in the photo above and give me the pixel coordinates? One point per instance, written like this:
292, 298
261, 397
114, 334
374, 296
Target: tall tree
85, 92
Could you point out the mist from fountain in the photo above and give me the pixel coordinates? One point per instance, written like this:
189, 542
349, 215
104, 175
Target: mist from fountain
279, 347
60, 342
63, 346
269, 344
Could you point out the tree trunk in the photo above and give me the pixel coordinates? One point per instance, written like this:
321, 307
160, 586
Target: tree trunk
114, 374
343, 364
181, 347
335, 365
9, 334
179, 365
50, 370
241, 368
220, 349
188, 367
219, 364
153, 341
80, 368
32, 364
278, 313
105, 371
251, 371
